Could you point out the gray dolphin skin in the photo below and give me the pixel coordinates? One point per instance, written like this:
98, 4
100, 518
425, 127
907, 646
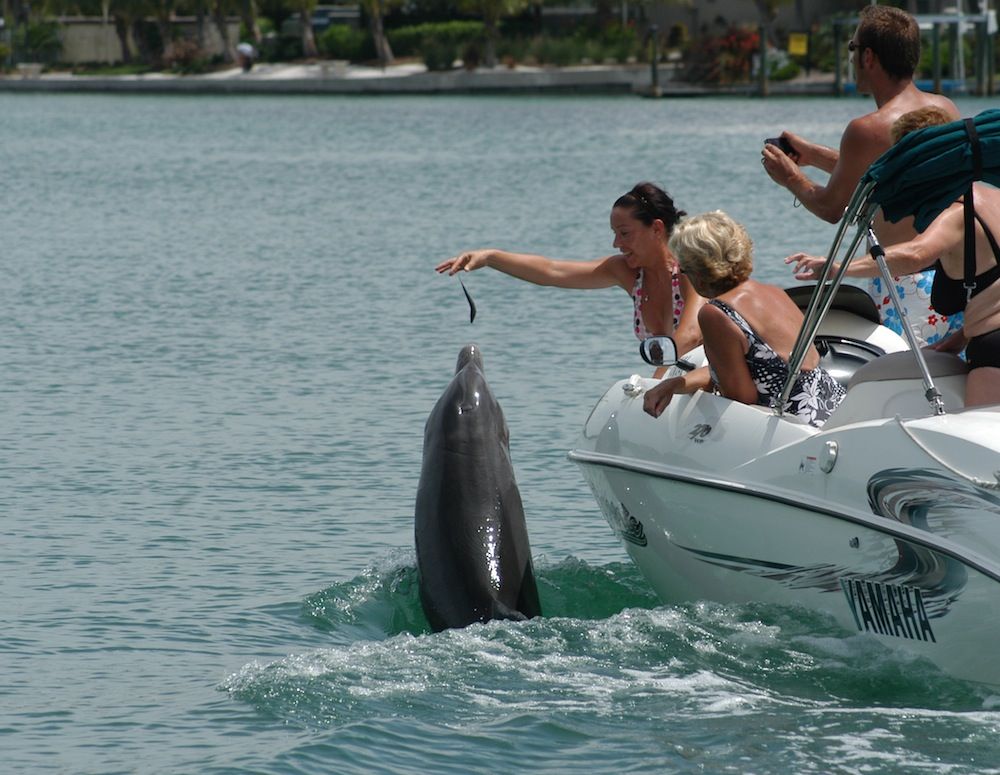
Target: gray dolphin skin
473, 556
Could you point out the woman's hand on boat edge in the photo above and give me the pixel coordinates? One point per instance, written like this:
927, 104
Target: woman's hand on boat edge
658, 398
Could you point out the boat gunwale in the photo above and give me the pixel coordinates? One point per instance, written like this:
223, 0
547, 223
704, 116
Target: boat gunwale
899, 530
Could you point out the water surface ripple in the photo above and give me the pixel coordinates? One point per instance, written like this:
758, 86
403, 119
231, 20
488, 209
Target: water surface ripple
221, 338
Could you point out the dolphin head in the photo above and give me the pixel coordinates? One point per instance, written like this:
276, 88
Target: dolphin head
469, 354
467, 414
469, 383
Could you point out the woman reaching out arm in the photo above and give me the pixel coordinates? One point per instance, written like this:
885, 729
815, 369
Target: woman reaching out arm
642, 220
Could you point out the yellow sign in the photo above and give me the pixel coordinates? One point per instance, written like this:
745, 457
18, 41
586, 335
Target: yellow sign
798, 44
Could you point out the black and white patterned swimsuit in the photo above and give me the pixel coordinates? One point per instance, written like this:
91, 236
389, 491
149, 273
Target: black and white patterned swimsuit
815, 393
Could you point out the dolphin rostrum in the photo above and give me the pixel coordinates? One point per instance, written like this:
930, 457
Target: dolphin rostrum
473, 555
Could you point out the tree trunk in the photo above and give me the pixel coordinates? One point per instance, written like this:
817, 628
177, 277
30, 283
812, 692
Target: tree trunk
309, 50
164, 12
219, 17
199, 25
382, 48
492, 25
121, 30
248, 12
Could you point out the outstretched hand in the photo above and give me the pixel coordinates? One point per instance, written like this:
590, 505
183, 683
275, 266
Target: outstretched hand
807, 267
463, 262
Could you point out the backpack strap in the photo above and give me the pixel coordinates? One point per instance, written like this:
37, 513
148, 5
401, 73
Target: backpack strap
970, 210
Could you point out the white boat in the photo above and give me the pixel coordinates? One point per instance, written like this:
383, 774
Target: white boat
887, 518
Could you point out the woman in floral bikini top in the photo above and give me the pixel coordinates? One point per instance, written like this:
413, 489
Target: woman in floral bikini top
664, 302
750, 328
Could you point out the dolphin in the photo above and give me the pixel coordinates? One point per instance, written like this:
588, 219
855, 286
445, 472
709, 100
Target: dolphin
473, 555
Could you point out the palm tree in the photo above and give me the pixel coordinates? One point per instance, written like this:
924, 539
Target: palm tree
376, 10
248, 13
492, 11
220, 10
164, 11
305, 9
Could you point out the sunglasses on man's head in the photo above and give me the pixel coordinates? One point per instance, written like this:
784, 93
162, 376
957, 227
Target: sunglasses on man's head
852, 46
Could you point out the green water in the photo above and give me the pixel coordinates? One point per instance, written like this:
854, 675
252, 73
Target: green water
221, 337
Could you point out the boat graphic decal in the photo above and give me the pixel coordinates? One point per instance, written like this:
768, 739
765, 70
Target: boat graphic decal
623, 523
923, 572
888, 609
824, 577
930, 501
699, 432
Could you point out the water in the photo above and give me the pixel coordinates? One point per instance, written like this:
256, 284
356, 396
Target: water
221, 337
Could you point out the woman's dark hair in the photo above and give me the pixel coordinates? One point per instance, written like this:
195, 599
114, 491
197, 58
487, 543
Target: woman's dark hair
647, 201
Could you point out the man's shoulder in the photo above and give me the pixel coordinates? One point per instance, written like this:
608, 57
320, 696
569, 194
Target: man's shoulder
940, 101
872, 130
915, 99
876, 127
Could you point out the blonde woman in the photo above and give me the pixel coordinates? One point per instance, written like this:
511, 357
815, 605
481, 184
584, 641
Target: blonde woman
749, 328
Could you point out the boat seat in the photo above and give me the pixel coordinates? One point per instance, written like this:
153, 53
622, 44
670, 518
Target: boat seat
893, 385
903, 365
848, 298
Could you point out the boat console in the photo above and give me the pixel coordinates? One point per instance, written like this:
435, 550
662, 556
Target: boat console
845, 339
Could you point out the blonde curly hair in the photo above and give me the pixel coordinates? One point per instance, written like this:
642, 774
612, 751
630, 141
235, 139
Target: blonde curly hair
714, 248
921, 118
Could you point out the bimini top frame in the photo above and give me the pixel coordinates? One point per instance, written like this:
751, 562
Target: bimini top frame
859, 214
921, 175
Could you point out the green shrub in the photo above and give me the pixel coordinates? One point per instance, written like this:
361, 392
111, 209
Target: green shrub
438, 54
560, 52
339, 41
104, 69
615, 43
279, 48
786, 71
472, 55
188, 58
412, 40
264, 25
926, 67
38, 42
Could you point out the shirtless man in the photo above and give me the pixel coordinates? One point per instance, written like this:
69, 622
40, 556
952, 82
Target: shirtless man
886, 50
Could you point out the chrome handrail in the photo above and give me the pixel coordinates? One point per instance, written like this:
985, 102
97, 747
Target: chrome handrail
826, 289
931, 393
858, 212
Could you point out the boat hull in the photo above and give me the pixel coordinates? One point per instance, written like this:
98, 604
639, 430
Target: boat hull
888, 541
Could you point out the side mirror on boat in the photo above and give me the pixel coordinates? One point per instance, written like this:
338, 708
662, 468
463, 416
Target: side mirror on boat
662, 351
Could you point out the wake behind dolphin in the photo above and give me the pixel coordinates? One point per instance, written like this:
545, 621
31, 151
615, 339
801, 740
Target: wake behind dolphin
473, 555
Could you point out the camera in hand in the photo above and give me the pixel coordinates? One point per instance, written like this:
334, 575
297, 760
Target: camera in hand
782, 143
